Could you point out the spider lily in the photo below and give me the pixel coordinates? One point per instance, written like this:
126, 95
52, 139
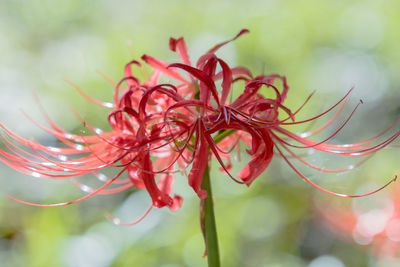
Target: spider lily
158, 129
253, 119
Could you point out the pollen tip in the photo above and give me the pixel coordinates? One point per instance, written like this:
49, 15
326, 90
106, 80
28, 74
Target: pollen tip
113, 219
144, 57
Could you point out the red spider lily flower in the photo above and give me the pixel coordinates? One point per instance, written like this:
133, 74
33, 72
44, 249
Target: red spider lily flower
135, 133
158, 129
379, 228
253, 119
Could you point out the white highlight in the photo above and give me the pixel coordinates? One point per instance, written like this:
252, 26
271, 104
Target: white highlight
35, 174
102, 177
62, 157
48, 164
108, 104
86, 188
304, 135
69, 136
98, 131
79, 147
54, 149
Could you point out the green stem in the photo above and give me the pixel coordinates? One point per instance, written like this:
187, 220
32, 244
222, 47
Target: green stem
208, 223
222, 135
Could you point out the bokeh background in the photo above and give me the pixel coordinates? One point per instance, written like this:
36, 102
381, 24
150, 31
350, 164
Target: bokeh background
327, 46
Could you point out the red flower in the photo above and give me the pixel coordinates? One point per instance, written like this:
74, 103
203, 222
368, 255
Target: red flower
162, 128
253, 119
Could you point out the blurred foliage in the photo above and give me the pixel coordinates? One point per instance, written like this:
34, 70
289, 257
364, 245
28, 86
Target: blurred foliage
324, 45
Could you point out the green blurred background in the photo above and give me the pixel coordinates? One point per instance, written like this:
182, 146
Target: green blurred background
326, 45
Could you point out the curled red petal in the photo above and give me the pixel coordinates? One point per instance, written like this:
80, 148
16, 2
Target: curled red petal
163, 67
227, 80
202, 76
179, 45
128, 72
199, 164
260, 161
160, 199
218, 46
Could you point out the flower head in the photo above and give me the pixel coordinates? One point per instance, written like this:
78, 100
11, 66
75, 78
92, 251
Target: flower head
161, 128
